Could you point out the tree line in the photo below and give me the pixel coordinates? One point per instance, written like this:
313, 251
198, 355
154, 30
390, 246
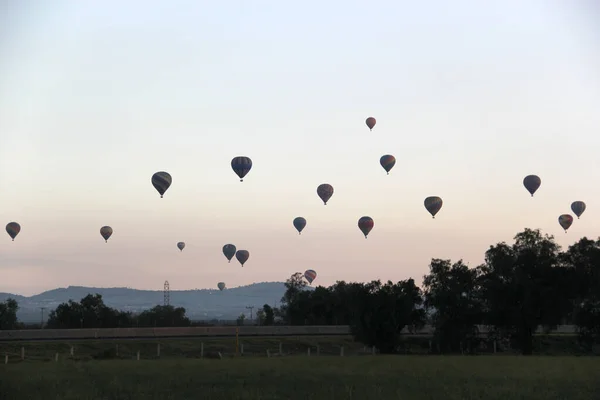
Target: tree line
519, 288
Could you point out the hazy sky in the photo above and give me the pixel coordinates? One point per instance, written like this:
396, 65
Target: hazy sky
470, 96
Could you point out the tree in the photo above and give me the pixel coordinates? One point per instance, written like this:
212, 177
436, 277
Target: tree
290, 308
164, 316
522, 286
382, 311
451, 292
240, 320
8, 314
90, 312
269, 315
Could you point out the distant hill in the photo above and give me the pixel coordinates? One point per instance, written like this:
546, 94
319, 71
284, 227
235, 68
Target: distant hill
204, 304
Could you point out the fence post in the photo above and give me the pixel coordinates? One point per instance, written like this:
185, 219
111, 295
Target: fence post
56, 357
117, 350
22, 353
72, 351
242, 349
138, 355
280, 348
342, 351
373, 350
158, 350
268, 353
494, 347
201, 349
309, 351
318, 350
6, 359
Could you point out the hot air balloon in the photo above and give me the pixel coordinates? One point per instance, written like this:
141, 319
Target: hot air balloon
221, 285
433, 204
299, 224
578, 208
13, 229
106, 232
242, 256
241, 166
387, 162
181, 246
565, 221
310, 275
325, 191
532, 183
161, 182
229, 251
365, 224
370, 123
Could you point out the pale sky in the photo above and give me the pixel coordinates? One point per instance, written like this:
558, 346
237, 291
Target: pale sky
470, 96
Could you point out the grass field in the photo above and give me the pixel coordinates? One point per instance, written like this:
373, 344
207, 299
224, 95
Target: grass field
303, 377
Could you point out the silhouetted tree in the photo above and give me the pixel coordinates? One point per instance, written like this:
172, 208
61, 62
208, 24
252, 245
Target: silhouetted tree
163, 316
8, 314
269, 315
451, 291
90, 312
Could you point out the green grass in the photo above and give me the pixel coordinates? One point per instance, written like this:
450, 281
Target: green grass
302, 377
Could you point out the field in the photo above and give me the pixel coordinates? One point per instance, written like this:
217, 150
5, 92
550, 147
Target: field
207, 368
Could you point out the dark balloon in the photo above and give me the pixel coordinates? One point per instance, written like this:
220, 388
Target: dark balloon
387, 162
13, 229
221, 285
299, 224
578, 207
433, 204
242, 256
229, 251
371, 123
532, 183
241, 166
161, 182
325, 191
565, 221
106, 232
310, 275
180, 246
365, 224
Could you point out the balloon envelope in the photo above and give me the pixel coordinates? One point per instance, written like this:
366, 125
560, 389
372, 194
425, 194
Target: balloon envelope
310, 275
161, 182
565, 221
433, 204
371, 123
365, 224
242, 256
325, 191
106, 232
241, 165
532, 183
229, 251
578, 207
181, 245
221, 285
299, 224
13, 229
387, 162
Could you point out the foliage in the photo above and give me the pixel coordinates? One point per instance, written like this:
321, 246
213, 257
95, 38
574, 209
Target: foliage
8, 314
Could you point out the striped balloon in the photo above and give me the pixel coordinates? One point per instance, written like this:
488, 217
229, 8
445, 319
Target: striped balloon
433, 204
325, 191
387, 162
365, 224
565, 220
13, 229
241, 166
106, 232
242, 256
578, 207
299, 224
161, 182
310, 275
229, 251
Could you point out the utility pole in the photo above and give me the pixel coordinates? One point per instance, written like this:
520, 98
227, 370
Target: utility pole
250, 308
42, 324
